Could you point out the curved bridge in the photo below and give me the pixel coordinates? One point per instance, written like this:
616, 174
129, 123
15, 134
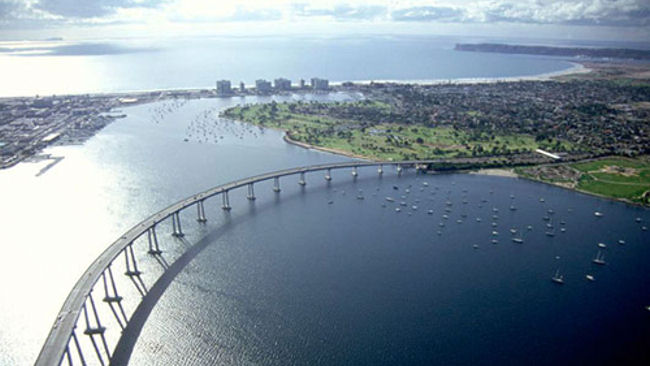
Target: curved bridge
63, 344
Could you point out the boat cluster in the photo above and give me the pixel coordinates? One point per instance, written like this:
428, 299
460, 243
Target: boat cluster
160, 111
402, 200
208, 127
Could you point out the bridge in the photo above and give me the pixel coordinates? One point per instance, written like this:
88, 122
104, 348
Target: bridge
80, 309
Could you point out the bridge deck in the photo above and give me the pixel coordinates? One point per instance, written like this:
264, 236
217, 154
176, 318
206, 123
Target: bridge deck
58, 340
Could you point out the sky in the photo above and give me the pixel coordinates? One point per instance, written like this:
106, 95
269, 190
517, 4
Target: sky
612, 20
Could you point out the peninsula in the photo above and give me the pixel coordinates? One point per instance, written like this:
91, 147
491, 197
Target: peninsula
619, 53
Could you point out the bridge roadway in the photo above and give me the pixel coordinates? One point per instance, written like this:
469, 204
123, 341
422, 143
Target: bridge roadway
62, 336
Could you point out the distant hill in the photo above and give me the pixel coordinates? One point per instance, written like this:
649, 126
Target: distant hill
623, 53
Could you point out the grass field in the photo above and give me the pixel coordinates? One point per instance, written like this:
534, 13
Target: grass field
614, 177
386, 141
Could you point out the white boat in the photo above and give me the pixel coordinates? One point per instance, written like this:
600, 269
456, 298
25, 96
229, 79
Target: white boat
513, 231
590, 277
638, 219
541, 199
529, 227
397, 209
558, 278
602, 245
475, 246
513, 208
550, 233
622, 242
518, 240
430, 212
495, 241
495, 233
390, 199
598, 214
600, 259
414, 207
478, 219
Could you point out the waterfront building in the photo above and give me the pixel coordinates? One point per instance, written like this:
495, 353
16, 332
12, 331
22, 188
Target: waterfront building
319, 84
242, 87
263, 86
282, 84
223, 88
302, 83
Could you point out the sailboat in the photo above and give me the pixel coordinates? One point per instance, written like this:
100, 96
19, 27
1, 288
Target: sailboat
558, 278
600, 258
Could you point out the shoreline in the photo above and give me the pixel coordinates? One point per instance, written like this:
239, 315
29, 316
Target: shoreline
575, 68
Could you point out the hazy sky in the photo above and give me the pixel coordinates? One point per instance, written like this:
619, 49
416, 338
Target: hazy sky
568, 19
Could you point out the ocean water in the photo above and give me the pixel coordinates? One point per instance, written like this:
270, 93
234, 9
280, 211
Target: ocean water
64, 67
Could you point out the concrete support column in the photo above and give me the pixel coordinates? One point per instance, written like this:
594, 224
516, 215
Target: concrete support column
154, 249
176, 224
302, 181
328, 175
251, 192
276, 184
200, 208
225, 201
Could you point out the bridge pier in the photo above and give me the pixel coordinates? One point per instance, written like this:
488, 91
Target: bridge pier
276, 184
78, 346
97, 329
132, 269
225, 201
302, 181
251, 192
399, 169
328, 175
112, 297
380, 170
154, 249
200, 208
355, 173
176, 224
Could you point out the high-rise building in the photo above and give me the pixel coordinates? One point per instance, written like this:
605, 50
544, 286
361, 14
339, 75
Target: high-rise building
242, 87
223, 88
282, 84
319, 84
263, 86
302, 83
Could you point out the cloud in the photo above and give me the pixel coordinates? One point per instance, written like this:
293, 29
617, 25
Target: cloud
11, 9
242, 14
428, 13
91, 8
341, 12
617, 13
626, 13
